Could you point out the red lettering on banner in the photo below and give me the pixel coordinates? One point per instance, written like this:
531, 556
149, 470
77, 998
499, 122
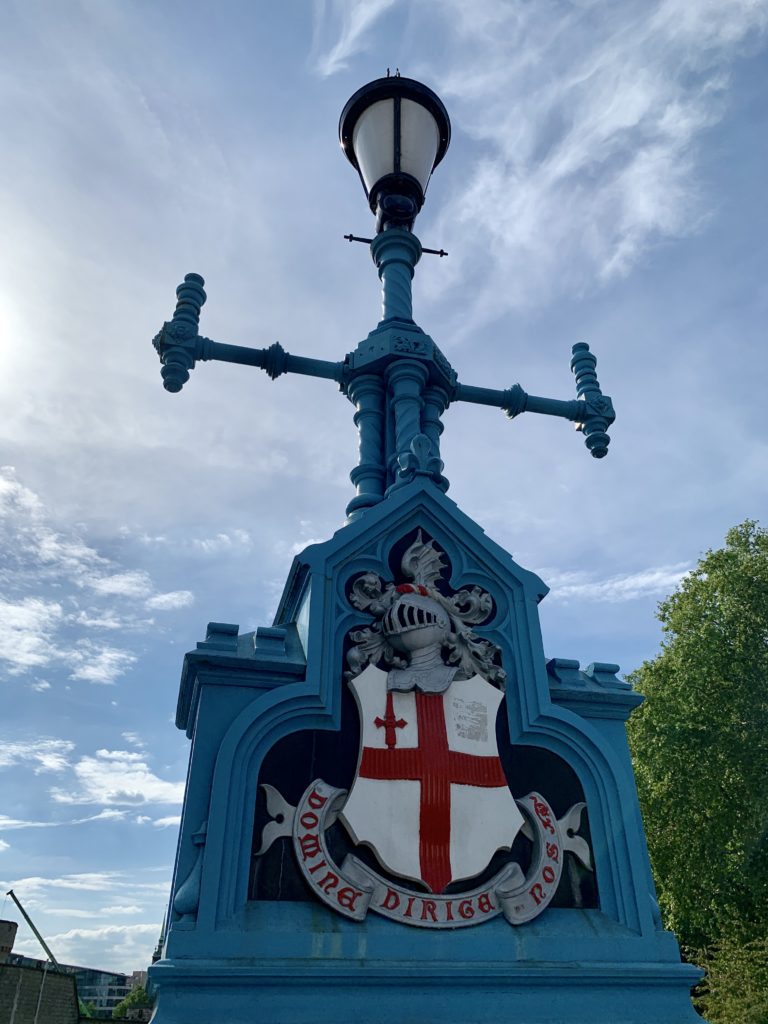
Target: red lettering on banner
548, 874
466, 910
449, 910
329, 882
317, 867
552, 851
435, 767
309, 819
428, 907
310, 845
543, 814
391, 901
316, 801
348, 897
484, 903
409, 908
538, 896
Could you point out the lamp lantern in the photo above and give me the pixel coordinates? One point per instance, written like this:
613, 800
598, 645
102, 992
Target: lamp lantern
395, 131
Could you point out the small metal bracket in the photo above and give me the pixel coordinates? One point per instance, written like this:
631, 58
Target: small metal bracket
368, 241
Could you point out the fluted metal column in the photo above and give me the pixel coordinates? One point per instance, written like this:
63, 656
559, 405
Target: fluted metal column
367, 394
406, 379
435, 404
396, 252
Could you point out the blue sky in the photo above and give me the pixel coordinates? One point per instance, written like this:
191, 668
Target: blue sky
605, 183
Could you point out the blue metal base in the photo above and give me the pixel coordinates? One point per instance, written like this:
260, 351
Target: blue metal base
232, 958
312, 967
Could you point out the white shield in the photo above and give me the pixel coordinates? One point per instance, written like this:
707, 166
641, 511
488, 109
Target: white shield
429, 796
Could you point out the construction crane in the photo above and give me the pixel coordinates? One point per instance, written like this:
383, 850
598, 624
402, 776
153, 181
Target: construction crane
38, 936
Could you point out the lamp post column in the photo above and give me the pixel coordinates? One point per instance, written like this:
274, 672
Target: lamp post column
435, 404
367, 394
396, 252
406, 379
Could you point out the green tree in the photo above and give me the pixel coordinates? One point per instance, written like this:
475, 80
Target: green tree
137, 998
700, 745
735, 990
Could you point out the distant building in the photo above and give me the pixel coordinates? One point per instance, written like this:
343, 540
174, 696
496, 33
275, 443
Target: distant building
7, 935
100, 989
33, 992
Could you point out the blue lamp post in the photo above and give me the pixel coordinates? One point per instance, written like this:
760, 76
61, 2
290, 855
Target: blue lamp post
398, 708
394, 131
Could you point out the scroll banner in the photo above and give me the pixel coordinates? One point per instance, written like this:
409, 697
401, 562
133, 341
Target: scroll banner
354, 888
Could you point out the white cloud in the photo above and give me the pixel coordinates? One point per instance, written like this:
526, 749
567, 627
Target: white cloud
99, 664
38, 627
4, 845
118, 777
172, 820
133, 583
120, 909
657, 581
133, 738
28, 625
111, 946
40, 685
167, 602
46, 755
586, 121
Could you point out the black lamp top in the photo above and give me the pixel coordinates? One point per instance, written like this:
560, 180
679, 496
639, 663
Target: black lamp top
389, 88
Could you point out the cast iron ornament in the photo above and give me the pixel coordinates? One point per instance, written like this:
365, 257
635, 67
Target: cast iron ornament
429, 798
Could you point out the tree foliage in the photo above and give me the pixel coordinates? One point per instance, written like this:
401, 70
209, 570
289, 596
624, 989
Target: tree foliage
735, 990
700, 745
137, 998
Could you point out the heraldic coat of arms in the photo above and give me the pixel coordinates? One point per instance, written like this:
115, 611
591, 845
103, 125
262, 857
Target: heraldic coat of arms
430, 798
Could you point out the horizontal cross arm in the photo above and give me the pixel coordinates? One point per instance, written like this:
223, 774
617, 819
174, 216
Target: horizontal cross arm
515, 401
274, 360
591, 411
180, 346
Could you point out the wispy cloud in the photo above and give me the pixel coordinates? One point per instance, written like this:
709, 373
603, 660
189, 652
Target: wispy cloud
586, 120
10, 824
657, 581
118, 777
349, 23
133, 738
4, 845
58, 595
581, 171
234, 540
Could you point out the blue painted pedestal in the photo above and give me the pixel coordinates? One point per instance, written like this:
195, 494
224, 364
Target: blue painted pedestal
235, 960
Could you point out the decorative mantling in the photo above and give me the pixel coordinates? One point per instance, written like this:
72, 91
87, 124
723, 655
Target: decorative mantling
422, 566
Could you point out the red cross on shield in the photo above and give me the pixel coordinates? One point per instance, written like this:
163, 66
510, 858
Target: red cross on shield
430, 797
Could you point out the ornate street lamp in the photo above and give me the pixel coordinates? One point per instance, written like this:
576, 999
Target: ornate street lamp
395, 131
